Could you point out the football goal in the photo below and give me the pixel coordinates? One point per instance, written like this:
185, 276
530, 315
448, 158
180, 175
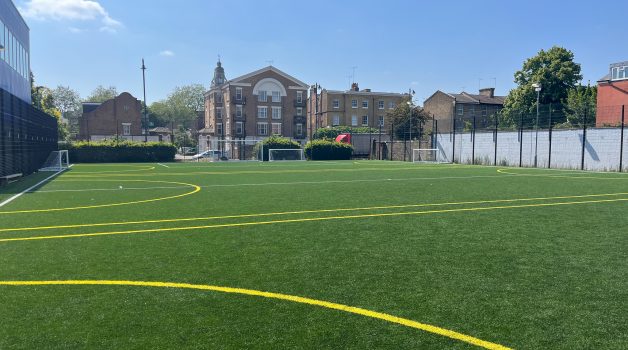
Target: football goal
56, 161
427, 155
285, 154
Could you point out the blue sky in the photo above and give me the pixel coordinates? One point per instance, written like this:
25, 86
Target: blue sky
395, 45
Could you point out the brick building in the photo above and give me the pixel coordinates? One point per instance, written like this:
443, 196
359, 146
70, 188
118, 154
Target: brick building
253, 107
353, 107
463, 106
612, 93
120, 116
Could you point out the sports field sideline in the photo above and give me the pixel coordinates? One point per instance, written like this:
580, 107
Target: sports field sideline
315, 255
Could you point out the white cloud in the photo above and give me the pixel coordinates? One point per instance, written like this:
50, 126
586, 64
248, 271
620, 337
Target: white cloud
76, 30
166, 53
74, 10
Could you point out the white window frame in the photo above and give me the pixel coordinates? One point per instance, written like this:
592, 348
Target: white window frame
381, 104
238, 94
354, 103
263, 115
299, 96
299, 129
239, 112
354, 120
240, 126
365, 104
218, 112
219, 129
392, 105
299, 111
335, 120
262, 96
275, 112
459, 110
335, 103
276, 96
273, 126
367, 120
381, 120
262, 129
126, 129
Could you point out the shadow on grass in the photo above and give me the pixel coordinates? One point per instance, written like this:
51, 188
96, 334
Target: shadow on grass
8, 190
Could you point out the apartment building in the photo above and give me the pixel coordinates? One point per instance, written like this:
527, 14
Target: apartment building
612, 94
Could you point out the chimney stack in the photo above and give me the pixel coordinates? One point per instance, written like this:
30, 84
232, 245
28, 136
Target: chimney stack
354, 87
488, 92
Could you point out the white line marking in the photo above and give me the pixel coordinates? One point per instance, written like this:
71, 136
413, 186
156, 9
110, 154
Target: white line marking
163, 165
9, 200
113, 189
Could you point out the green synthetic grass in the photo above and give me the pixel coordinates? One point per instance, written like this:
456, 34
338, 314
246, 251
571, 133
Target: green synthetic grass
527, 277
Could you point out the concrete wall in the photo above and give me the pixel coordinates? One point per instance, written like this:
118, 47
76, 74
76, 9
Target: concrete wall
602, 148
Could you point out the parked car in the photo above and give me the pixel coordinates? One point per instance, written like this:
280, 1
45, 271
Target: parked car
188, 151
211, 154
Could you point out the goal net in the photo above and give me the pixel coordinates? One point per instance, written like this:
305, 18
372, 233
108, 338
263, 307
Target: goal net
285, 154
424, 155
232, 150
56, 161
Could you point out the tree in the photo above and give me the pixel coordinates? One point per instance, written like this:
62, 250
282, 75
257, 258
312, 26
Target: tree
102, 94
68, 102
42, 99
180, 107
580, 105
557, 73
407, 120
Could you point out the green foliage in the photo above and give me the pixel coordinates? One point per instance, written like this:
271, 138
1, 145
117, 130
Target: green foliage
68, 102
275, 142
333, 132
102, 94
580, 105
179, 108
554, 69
42, 98
407, 120
328, 150
120, 152
183, 138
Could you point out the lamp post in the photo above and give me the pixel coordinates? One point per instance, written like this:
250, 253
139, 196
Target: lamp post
145, 114
537, 88
411, 94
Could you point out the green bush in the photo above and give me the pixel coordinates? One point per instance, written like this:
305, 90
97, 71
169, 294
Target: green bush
275, 142
332, 133
119, 152
328, 150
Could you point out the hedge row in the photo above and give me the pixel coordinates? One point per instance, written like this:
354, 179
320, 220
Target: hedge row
276, 142
121, 152
333, 132
328, 150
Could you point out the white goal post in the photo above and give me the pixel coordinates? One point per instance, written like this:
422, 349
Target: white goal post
275, 155
56, 161
426, 155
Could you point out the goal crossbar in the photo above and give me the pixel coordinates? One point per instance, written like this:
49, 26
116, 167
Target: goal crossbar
56, 161
276, 154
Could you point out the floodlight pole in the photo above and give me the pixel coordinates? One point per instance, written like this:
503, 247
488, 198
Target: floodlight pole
145, 114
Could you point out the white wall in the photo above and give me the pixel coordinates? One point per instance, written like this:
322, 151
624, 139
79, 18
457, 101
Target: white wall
602, 148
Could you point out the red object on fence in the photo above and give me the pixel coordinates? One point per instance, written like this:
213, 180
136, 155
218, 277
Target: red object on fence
344, 138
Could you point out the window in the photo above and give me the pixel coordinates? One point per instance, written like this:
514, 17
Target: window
219, 113
335, 121
276, 112
126, 108
276, 96
299, 111
219, 130
460, 109
261, 96
276, 128
380, 104
239, 128
484, 111
619, 73
126, 129
391, 105
238, 94
262, 129
299, 129
354, 120
365, 120
299, 96
239, 111
354, 103
365, 104
335, 103
381, 120
262, 112
218, 97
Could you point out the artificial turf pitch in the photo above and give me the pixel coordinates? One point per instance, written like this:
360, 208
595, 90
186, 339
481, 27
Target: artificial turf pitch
519, 258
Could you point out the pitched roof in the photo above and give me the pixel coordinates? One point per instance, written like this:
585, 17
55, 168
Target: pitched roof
90, 106
272, 69
366, 93
465, 97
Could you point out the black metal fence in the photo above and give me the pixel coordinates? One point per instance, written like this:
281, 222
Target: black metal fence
27, 136
555, 137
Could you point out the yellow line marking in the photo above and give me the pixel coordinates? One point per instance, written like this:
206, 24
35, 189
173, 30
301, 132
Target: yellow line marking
306, 212
256, 223
194, 190
286, 297
505, 171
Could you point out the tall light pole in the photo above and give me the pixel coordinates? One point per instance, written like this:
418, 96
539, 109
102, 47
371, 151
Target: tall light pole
145, 114
537, 88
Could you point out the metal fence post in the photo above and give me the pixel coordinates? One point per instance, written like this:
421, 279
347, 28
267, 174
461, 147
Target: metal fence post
621, 143
584, 138
392, 139
473, 143
453, 143
495, 142
520, 140
549, 156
